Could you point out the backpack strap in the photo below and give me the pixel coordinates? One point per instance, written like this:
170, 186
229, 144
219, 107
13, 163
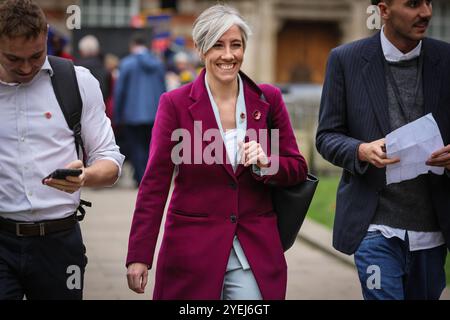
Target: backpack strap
67, 92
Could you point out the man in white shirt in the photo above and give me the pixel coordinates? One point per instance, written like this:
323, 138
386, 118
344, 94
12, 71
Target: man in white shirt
400, 232
42, 255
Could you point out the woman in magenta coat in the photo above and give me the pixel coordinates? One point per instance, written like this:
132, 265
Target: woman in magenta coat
220, 238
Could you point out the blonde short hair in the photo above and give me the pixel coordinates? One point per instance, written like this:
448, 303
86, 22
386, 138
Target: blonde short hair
214, 22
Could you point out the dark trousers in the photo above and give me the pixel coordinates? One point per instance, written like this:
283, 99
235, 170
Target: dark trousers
137, 139
50, 267
388, 270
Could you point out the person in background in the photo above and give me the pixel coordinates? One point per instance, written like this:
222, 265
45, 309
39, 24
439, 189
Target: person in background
183, 71
138, 89
91, 59
112, 66
57, 45
184, 67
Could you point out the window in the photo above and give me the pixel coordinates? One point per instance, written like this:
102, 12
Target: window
108, 13
440, 23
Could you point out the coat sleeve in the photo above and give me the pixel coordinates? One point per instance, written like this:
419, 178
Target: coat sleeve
287, 166
154, 188
332, 140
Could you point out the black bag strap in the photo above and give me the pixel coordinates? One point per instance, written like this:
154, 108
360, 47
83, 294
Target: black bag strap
270, 126
67, 92
269, 114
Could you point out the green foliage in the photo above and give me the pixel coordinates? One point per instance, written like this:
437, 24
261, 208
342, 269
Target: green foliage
447, 269
324, 202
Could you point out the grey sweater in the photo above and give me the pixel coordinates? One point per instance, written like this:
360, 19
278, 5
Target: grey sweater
406, 205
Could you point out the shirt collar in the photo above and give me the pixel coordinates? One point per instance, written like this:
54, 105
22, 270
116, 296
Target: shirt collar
47, 67
392, 54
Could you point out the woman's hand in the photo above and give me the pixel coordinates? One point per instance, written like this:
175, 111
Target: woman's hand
137, 276
252, 153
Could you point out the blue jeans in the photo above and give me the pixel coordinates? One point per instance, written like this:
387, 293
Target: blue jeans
388, 270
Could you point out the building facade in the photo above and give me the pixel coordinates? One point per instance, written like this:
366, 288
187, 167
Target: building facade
290, 44
291, 38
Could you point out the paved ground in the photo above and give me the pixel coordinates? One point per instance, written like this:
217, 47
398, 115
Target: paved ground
313, 273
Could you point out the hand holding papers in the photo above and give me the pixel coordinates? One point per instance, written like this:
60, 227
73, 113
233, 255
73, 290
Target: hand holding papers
413, 144
440, 158
375, 153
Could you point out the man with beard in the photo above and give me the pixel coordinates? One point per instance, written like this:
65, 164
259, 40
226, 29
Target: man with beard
400, 232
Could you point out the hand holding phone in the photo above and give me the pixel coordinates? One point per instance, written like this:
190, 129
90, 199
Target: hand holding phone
63, 173
69, 179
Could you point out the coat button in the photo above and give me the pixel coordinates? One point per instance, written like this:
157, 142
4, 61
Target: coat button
233, 219
233, 185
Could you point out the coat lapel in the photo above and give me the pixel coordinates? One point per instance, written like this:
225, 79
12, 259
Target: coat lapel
375, 81
432, 75
257, 110
203, 115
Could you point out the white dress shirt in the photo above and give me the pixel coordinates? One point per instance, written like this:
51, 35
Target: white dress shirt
417, 240
35, 140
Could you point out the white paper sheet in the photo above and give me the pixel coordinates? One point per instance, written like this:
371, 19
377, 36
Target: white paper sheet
413, 144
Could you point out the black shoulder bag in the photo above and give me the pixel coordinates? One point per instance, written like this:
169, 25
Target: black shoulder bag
291, 203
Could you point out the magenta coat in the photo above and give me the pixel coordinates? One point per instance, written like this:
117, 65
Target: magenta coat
210, 203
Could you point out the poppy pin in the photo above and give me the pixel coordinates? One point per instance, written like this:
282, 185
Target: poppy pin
257, 115
48, 115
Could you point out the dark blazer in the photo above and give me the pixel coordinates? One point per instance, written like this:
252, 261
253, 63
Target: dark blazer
354, 109
211, 203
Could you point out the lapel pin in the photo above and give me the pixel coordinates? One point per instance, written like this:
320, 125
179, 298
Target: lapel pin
257, 115
48, 115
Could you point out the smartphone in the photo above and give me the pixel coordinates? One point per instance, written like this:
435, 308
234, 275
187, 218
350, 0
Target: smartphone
63, 173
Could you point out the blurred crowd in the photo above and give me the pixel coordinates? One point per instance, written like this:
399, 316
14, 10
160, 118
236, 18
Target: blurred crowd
132, 85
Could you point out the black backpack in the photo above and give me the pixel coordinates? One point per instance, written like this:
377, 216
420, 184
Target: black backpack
67, 92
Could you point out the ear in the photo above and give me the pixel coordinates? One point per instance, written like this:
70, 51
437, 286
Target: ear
384, 10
